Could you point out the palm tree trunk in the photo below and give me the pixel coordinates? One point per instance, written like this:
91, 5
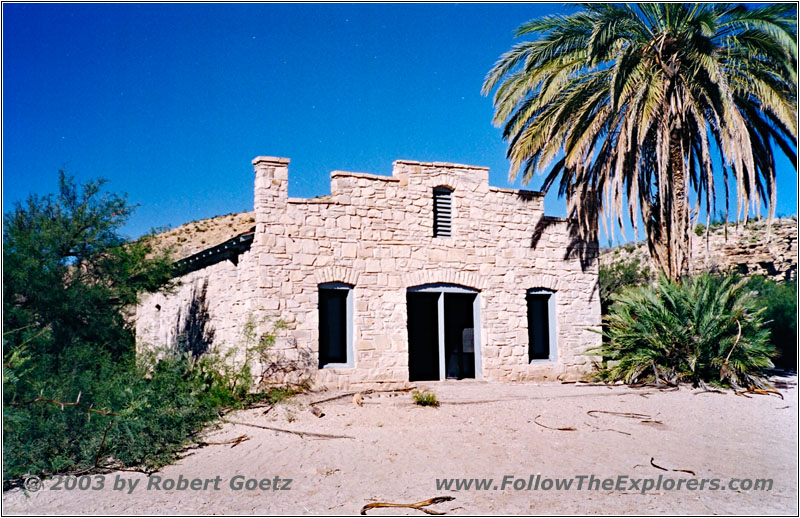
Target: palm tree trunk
678, 217
669, 238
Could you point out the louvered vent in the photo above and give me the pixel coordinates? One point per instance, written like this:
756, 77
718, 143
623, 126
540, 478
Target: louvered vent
442, 212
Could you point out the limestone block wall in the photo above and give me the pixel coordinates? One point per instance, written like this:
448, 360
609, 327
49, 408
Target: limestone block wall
375, 233
225, 291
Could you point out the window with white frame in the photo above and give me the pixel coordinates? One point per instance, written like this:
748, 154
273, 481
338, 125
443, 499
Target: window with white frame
541, 325
335, 325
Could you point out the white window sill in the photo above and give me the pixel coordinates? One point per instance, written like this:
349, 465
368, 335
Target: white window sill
543, 361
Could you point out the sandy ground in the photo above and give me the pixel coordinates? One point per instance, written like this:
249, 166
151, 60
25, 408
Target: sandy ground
395, 451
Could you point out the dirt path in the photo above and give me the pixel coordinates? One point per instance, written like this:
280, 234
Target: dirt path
399, 450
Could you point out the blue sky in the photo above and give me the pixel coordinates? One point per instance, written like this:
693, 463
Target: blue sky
170, 102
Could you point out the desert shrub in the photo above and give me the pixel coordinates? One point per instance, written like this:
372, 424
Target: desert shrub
424, 398
68, 273
620, 274
779, 300
702, 330
700, 229
144, 410
142, 413
240, 372
76, 398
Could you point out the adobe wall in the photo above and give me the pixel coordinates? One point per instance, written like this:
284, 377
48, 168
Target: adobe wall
376, 233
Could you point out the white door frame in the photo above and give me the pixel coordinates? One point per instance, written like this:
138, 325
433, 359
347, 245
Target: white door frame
441, 289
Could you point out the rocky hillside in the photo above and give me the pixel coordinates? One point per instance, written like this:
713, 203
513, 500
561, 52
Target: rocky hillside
745, 250
196, 236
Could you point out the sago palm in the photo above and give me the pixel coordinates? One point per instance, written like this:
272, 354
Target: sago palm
627, 105
704, 330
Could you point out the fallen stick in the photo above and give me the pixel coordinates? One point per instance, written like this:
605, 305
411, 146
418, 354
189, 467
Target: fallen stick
629, 415
763, 392
97, 455
144, 471
418, 505
561, 428
340, 396
607, 430
294, 432
386, 391
109, 467
62, 404
662, 386
369, 391
652, 463
586, 384
253, 407
234, 442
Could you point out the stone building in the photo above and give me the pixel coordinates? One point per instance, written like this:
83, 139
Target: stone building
428, 274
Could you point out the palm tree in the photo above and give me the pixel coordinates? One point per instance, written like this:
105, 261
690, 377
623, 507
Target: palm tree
628, 104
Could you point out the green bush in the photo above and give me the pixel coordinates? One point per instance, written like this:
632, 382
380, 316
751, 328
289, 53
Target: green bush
620, 274
75, 396
780, 302
127, 414
424, 398
705, 329
68, 272
700, 229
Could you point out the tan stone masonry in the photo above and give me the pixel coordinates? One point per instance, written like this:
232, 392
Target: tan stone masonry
375, 233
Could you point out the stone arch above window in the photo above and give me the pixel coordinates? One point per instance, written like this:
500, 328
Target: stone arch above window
445, 287
336, 274
547, 282
443, 179
467, 279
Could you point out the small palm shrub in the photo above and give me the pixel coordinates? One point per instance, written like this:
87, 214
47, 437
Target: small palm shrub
704, 330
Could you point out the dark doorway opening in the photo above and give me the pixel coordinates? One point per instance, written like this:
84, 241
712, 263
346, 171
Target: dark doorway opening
441, 334
459, 335
423, 336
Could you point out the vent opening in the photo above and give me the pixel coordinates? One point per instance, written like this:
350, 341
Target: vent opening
442, 212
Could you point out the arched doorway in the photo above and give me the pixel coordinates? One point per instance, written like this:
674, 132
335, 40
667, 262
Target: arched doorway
443, 332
